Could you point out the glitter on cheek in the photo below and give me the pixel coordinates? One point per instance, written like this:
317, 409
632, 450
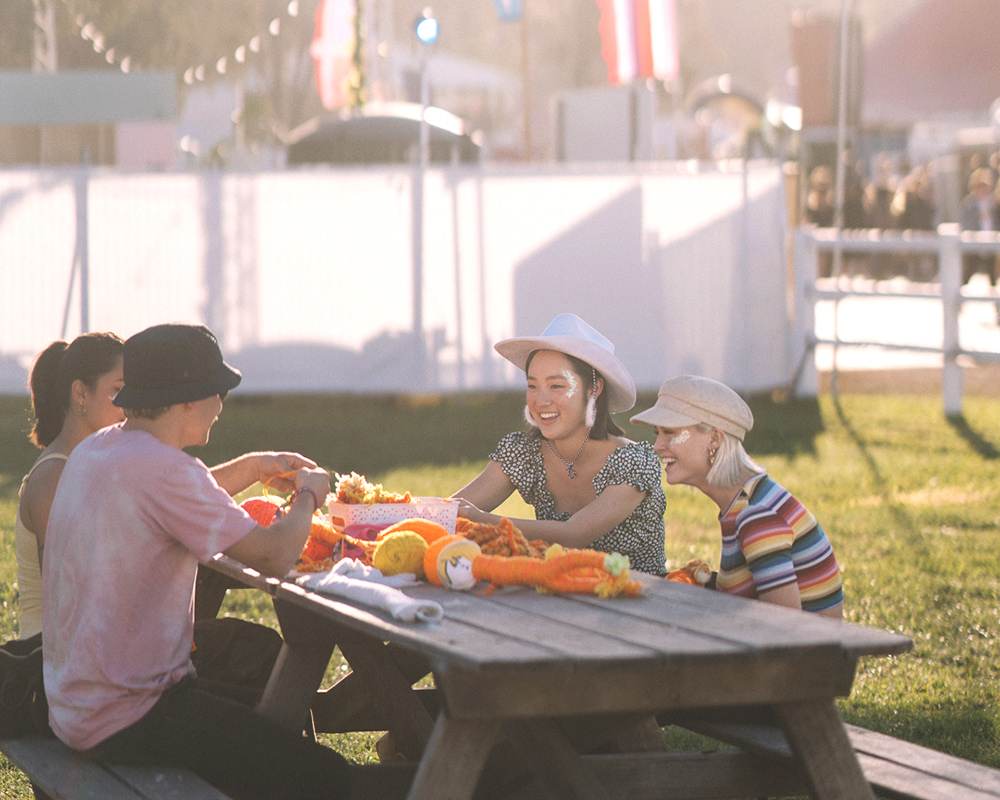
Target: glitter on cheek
680, 438
572, 381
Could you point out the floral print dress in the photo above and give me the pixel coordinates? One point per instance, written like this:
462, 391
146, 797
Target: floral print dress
640, 536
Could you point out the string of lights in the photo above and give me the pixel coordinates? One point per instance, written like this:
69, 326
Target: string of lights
89, 31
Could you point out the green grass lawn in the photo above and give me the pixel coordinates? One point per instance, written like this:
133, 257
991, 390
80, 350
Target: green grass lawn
910, 499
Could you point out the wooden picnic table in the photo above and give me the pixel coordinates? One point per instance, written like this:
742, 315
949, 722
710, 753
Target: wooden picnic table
555, 695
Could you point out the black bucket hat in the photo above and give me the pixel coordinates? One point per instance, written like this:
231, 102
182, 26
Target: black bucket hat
174, 363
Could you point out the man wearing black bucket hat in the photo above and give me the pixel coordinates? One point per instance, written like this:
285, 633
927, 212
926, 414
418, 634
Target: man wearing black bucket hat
132, 518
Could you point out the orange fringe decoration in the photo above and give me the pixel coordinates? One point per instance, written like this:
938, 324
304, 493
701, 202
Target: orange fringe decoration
355, 488
500, 540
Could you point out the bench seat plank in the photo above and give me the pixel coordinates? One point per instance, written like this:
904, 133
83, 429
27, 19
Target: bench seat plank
895, 768
166, 783
915, 771
63, 774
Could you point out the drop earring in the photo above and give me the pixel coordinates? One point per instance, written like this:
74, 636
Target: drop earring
711, 456
592, 400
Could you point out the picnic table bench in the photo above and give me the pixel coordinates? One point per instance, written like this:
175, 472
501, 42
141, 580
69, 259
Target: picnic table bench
895, 768
58, 772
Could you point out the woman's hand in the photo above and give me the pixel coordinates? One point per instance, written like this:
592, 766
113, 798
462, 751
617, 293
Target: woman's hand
468, 511
271, 467
243, 472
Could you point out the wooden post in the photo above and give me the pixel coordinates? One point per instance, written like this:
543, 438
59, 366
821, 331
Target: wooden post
951, 304
805, 379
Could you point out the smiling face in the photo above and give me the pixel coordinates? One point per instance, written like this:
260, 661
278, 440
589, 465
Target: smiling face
684, 453
556, 397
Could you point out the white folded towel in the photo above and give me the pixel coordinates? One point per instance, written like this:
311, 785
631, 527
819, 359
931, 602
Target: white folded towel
351, 580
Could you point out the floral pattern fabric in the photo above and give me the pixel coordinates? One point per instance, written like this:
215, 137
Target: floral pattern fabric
640, 536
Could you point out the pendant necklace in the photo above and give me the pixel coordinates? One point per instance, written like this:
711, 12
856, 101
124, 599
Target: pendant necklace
569, 464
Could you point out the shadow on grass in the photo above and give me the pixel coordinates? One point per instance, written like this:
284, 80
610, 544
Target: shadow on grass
975, 440
859, 441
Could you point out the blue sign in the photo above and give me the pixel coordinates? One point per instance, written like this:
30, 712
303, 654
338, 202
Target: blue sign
508, 10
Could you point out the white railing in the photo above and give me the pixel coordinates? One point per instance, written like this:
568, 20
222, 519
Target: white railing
948, 244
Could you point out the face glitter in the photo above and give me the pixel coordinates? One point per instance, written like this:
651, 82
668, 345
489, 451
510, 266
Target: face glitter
680, 438
572, 381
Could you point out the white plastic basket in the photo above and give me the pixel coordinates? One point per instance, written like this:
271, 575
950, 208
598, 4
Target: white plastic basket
440, 510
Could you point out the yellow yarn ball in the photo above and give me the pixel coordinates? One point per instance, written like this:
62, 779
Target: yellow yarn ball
402, 551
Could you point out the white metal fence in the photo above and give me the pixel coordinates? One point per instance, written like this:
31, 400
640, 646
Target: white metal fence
947, 246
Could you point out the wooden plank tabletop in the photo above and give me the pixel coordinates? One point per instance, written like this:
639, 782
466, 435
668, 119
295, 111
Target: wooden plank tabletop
518, 628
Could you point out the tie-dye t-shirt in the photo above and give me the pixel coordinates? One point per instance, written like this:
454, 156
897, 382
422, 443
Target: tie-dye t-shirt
130, 521
769, 539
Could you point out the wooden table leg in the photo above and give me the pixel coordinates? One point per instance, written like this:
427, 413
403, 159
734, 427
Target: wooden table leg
210, 591
454, 759
816, 733
391, 689
298, 673
554, 761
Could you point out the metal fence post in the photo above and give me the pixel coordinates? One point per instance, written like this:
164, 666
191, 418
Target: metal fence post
951, 303
805, 254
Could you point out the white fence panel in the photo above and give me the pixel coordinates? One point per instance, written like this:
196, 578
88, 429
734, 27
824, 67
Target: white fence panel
307, 276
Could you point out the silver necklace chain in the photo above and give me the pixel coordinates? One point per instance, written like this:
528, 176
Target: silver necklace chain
569, 464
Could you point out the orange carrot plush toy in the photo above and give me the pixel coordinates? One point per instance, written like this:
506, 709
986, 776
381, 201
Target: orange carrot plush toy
458, 563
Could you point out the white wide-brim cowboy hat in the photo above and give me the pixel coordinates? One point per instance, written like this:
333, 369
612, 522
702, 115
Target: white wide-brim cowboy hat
569, 334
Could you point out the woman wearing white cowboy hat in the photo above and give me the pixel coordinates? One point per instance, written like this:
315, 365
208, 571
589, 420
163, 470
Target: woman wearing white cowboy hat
772, 546
590, 486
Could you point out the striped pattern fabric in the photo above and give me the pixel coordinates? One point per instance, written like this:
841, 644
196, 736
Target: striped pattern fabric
769, 539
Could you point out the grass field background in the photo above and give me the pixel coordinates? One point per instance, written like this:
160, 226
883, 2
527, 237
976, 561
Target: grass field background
911, 501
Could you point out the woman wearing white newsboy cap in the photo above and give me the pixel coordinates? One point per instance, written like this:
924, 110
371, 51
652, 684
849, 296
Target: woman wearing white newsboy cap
772, 546
589, 485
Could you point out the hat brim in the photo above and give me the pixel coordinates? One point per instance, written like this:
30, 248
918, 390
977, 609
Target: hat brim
664, 418
224, 379
617, 381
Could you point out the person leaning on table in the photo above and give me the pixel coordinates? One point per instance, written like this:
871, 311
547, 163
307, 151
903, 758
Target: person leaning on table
589, 485
132, 517
772, 546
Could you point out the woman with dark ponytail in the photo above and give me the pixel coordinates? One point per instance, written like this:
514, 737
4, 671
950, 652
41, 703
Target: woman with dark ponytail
72, 386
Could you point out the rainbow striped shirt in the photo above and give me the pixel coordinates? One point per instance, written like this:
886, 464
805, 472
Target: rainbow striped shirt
769, 539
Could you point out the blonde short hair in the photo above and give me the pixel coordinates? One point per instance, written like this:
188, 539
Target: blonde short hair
732, 467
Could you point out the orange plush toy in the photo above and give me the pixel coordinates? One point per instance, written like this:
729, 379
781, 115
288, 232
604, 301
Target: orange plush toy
696, 572
458, 563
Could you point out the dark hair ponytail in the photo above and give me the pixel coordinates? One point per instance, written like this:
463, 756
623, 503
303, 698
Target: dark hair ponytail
86, 358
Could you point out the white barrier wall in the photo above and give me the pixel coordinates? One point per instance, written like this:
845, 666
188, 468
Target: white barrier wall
307, 277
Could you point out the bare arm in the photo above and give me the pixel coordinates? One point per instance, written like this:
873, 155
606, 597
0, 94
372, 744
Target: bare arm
244, 471
488, 490
787, 595
591, 522
36, 504
274, 550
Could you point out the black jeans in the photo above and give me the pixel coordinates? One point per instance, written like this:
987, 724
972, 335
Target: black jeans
235, 749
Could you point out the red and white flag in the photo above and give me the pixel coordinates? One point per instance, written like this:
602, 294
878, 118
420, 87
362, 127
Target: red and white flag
331, 50
639, 39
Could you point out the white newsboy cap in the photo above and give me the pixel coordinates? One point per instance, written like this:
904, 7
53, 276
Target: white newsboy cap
690, 400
